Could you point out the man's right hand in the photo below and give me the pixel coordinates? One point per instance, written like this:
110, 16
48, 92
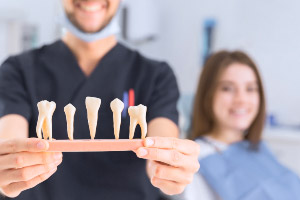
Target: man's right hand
24, 164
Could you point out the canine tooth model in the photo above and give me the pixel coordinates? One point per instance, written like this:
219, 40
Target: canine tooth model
46, 110
117, 107
70, 112
137, 116
92, 107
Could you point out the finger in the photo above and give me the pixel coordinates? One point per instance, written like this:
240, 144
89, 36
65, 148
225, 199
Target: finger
182, 145
25, 159
170, 157
14, 189
168, 187
26, 173
170, 173
19, 145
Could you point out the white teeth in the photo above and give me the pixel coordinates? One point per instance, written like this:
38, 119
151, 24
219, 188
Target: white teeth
137, 116
90, 8
92, 107
240, 111
44, 123
46, 109
70, 112
117, 107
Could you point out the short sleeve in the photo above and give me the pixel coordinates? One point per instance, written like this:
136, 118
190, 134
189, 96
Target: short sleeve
13, 95
163, 101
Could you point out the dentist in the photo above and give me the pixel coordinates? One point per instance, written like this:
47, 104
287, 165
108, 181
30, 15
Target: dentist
89, 61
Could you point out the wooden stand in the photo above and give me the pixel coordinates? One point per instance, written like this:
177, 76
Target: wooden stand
94, 145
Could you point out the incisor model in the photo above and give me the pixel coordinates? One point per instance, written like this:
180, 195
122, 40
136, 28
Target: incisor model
44, 123
117, 107
137, 116
70, 112
92, 107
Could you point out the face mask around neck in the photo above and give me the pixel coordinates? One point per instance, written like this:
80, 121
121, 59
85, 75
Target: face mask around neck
112, 28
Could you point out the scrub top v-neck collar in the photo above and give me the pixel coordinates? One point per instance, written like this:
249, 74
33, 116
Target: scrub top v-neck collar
74, 80
103, 60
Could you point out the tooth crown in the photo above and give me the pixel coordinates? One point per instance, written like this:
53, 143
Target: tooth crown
46, 110
117, 107
137, 116
69, 109
92, 106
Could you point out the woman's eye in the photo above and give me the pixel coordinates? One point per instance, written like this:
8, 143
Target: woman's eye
227, 88
252, 89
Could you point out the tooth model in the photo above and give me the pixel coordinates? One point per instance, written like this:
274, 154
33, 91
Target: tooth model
92, 107
46, 110
70, 112
137, 116
117, 107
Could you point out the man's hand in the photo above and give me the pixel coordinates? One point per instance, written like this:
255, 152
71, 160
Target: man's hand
171, 163
24, 164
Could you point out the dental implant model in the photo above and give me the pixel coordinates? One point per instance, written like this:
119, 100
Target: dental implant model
92, 107
44, 123
137, 116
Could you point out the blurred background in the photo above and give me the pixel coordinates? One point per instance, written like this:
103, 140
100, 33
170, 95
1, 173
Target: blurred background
183, 33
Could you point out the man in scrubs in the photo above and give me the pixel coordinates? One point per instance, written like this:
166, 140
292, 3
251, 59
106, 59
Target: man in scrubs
88, 61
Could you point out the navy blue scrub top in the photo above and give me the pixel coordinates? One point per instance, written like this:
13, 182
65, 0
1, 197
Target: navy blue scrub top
52, 73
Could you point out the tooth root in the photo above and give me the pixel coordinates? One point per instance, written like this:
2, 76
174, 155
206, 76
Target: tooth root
133, 123
70, 112
45, 130
51, 109
48, 128
142, 120
117, 107
39, 126
44, 123
144, 129
117, 124
137, 115
92, 107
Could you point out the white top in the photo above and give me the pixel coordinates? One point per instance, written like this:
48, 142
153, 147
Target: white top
199, 189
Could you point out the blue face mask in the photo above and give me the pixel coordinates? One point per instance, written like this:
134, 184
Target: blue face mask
112, 28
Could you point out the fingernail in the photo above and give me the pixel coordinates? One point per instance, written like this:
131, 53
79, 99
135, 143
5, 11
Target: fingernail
149, 142
57, 156
142, 152
41, 145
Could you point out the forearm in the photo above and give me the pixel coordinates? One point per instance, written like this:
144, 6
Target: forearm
13, 126
162, 127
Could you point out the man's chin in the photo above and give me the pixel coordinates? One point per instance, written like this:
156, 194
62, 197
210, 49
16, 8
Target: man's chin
90, 29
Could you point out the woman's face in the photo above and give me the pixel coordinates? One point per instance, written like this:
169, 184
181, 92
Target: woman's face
236, 100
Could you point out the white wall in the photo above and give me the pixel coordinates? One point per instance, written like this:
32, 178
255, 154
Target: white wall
41, 13
267, 29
